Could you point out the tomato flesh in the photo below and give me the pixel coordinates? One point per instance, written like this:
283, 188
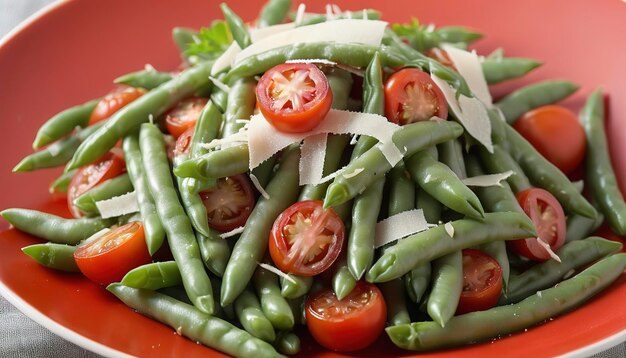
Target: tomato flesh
109, 257
548, 128
294, 97
184, 115
306, 238
482, 282
229, 203
412, 96
114, 101
549, 219
350, 324
183, 143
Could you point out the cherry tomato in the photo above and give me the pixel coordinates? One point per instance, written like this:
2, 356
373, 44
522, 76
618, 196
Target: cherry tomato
184, 115
114, 101
482, 282
350, 324
183, 143
441, 56
306, 238
109, 257
412, 96
606, 232
107, 167
547, 215
229, 203
294, 97
556, 133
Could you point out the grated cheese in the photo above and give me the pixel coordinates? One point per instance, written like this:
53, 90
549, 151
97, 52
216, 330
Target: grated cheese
278, 272
231, 233
449, 229
487, 180
398, 226
312, 157
219, 84
259, 187
546, 246
468, 65
118, 206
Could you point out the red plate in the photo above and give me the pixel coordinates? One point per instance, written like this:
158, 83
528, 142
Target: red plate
72, 51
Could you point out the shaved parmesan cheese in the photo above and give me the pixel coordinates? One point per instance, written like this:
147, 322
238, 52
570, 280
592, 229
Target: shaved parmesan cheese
54, 150
312, 157
149, 67
487, 180
259, 187
233, 139
118, 206
339, 31
539, 294
336, 9
546, 246
300, 14
356, 172
273, 269
398, 226
354, 140
233, 232
470, 111
330, 15
468, 65
320, 61
219, 84
96, 236
226, 59
449, 229
257, 35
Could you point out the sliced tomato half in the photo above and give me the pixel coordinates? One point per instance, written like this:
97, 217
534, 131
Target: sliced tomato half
183, 143
482, 282
306, 238
114, 101
412, 96
441, 56
294, 97
229, 203
184, 115
549, 219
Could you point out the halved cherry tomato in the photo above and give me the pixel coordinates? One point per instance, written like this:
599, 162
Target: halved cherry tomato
441, 56
547, 215
107, 167
109, 257
482, 282
412, 96
606, 232
350, 324
229, 203
114, 101
294, 97
556, 133
184, 115
306, 238
183, 143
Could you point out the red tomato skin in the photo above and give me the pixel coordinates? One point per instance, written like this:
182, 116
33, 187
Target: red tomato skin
114, 101
441, 56
529, 248
184, 115
395, 93
183, 143
556, 133
357, 331
240, 220
487, 298
290, 121
111, 266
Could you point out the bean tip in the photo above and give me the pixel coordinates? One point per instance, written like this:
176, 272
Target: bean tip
24, 165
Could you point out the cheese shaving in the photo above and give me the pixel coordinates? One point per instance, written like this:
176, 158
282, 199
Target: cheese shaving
468, 65
354, 140
487, 180
398, 226
219, 84
356, 172
539, 294
226, 59
300, 14
149, 67
54, 149
96, 236
118, 206
231, 233
273, 269
449, 229
320, 61
257, 35
546, 246
312, 157
470, 111
259, 187
330, 15
233, 139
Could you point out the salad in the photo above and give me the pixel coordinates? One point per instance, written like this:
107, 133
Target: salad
359, 181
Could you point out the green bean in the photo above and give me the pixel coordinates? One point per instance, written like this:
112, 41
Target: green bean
54, 228
422, 37
55, 256
206, 129
368, 14
433, 243
501, 161
252, 319
216, 164
192, 204
129, 118
153, 276
273, 12
579, 227
288, 343
447, 287
148, 79
237, 27
498, 321
264, 171
192, 323
533, 96
355, 55
401, 190
60, 184
134, 165
499, 70
179, 232
108, 189
343, 281
393, 292
252, 244
297, 308
214, 252
451, 154
443, 184
301, 287
64, 122
497, 250
240, 105
429, 205
417, 281
412, 137
600, 174
273, 304
574, 256
544, 174
456, 34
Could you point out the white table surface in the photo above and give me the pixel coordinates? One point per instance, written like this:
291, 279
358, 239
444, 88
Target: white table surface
22, 337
